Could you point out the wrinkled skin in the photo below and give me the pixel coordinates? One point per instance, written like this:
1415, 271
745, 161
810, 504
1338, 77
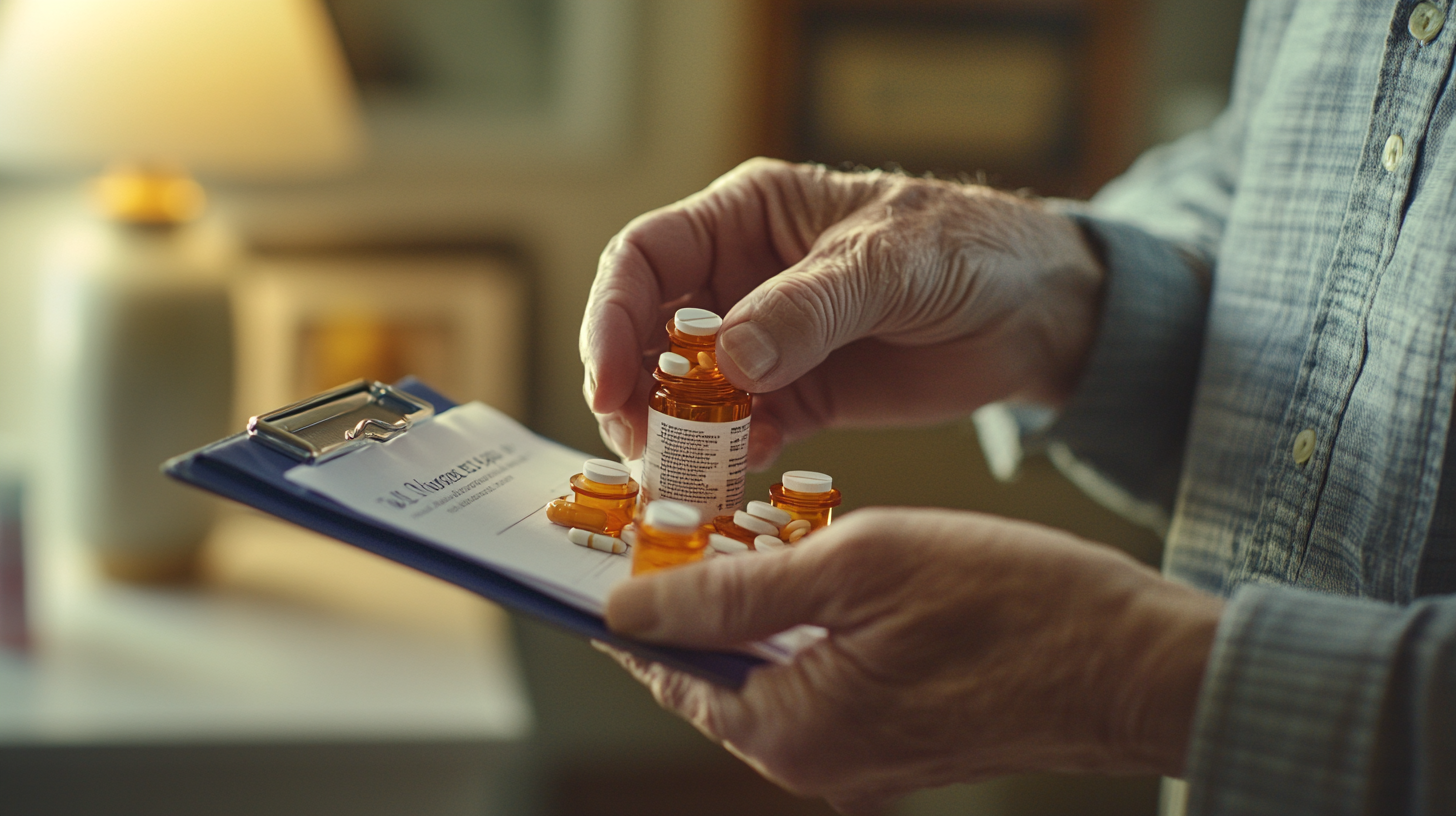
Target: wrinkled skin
960, 645
884, 300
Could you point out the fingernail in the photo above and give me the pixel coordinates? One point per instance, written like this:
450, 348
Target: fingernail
632, 609
751, 349
618, 436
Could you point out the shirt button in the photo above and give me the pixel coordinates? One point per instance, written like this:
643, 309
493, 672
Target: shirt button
1426, 21
1394, 150
1303, 446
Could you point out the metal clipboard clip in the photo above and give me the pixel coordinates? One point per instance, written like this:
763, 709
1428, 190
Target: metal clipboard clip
340, 420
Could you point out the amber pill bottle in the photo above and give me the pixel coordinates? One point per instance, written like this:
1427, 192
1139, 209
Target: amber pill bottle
669, 533
604, 500
807, 495
696, 450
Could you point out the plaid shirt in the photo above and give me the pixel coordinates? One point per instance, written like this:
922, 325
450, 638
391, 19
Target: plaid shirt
1289, 428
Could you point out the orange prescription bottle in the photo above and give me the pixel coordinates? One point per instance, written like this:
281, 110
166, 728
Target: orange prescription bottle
605, 500
806, 495
668, 534
696, 450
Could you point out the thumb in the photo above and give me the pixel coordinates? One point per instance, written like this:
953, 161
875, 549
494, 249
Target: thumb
719, 603
792, 321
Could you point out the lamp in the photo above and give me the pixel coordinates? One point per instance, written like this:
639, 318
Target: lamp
136, 324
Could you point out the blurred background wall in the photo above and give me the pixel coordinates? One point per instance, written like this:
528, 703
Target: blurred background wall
517, 136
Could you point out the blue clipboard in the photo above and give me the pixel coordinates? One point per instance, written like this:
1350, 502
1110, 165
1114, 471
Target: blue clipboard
243, 469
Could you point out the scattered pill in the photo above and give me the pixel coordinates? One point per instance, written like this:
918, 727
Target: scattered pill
797, 534
754, 524
773, 515
629, 534
567, 513
765, 543
674, 364
706, 360
596, 541
726, 545
796, 524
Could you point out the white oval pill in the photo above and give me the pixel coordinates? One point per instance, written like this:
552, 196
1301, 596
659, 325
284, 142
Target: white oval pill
767, 542
674, 364
696, 322
726, 545
605, 471
807, 481
776, 516
797, 524
754, 525
796, 535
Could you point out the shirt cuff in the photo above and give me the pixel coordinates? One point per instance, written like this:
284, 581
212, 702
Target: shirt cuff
1121, 435
1291, 701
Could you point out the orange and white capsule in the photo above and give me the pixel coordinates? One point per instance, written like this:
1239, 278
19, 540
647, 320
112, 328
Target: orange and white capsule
596, 541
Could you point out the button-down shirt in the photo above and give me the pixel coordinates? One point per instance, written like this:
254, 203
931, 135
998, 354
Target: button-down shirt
1289, 426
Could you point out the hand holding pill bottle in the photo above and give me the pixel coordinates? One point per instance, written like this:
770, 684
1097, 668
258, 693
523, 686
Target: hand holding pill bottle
668, 534
604, 500
697, 423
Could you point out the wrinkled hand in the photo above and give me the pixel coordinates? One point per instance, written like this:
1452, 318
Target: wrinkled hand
850, 299
961, 646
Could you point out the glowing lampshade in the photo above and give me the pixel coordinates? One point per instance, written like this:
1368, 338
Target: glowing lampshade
239, 88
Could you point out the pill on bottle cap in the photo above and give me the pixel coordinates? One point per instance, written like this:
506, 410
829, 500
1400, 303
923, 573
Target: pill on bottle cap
767, 542
674, 364
754, 524
605, 471
673, 517
807, 481
696, 322
726, 545
595, 541
773, 515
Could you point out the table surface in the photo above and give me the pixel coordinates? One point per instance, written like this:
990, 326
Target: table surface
288, 636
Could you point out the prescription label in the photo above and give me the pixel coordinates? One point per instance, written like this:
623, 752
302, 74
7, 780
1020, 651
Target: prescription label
704, 464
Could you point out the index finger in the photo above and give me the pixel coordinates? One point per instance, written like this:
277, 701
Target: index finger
707, 250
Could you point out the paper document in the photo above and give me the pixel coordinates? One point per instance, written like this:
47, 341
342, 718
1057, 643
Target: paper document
474, 481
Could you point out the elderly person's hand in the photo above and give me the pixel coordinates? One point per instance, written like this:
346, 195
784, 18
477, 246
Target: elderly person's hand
851, 299
960, 646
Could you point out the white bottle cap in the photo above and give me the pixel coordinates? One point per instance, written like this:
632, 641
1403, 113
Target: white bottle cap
605, 471
778, 517
674, 364
673, 517
807, 481
764, 543
697, 322
753, 524
726, 545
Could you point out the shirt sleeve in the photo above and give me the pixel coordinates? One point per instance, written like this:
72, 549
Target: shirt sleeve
1316, 704
1158, 227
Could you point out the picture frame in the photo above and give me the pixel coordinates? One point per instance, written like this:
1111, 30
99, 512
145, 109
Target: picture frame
306, 322
1038, 94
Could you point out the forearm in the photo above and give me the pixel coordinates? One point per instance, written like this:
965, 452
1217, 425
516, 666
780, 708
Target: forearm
1320, 704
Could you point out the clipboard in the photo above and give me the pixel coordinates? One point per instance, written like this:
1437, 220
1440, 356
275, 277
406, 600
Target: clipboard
248, 467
